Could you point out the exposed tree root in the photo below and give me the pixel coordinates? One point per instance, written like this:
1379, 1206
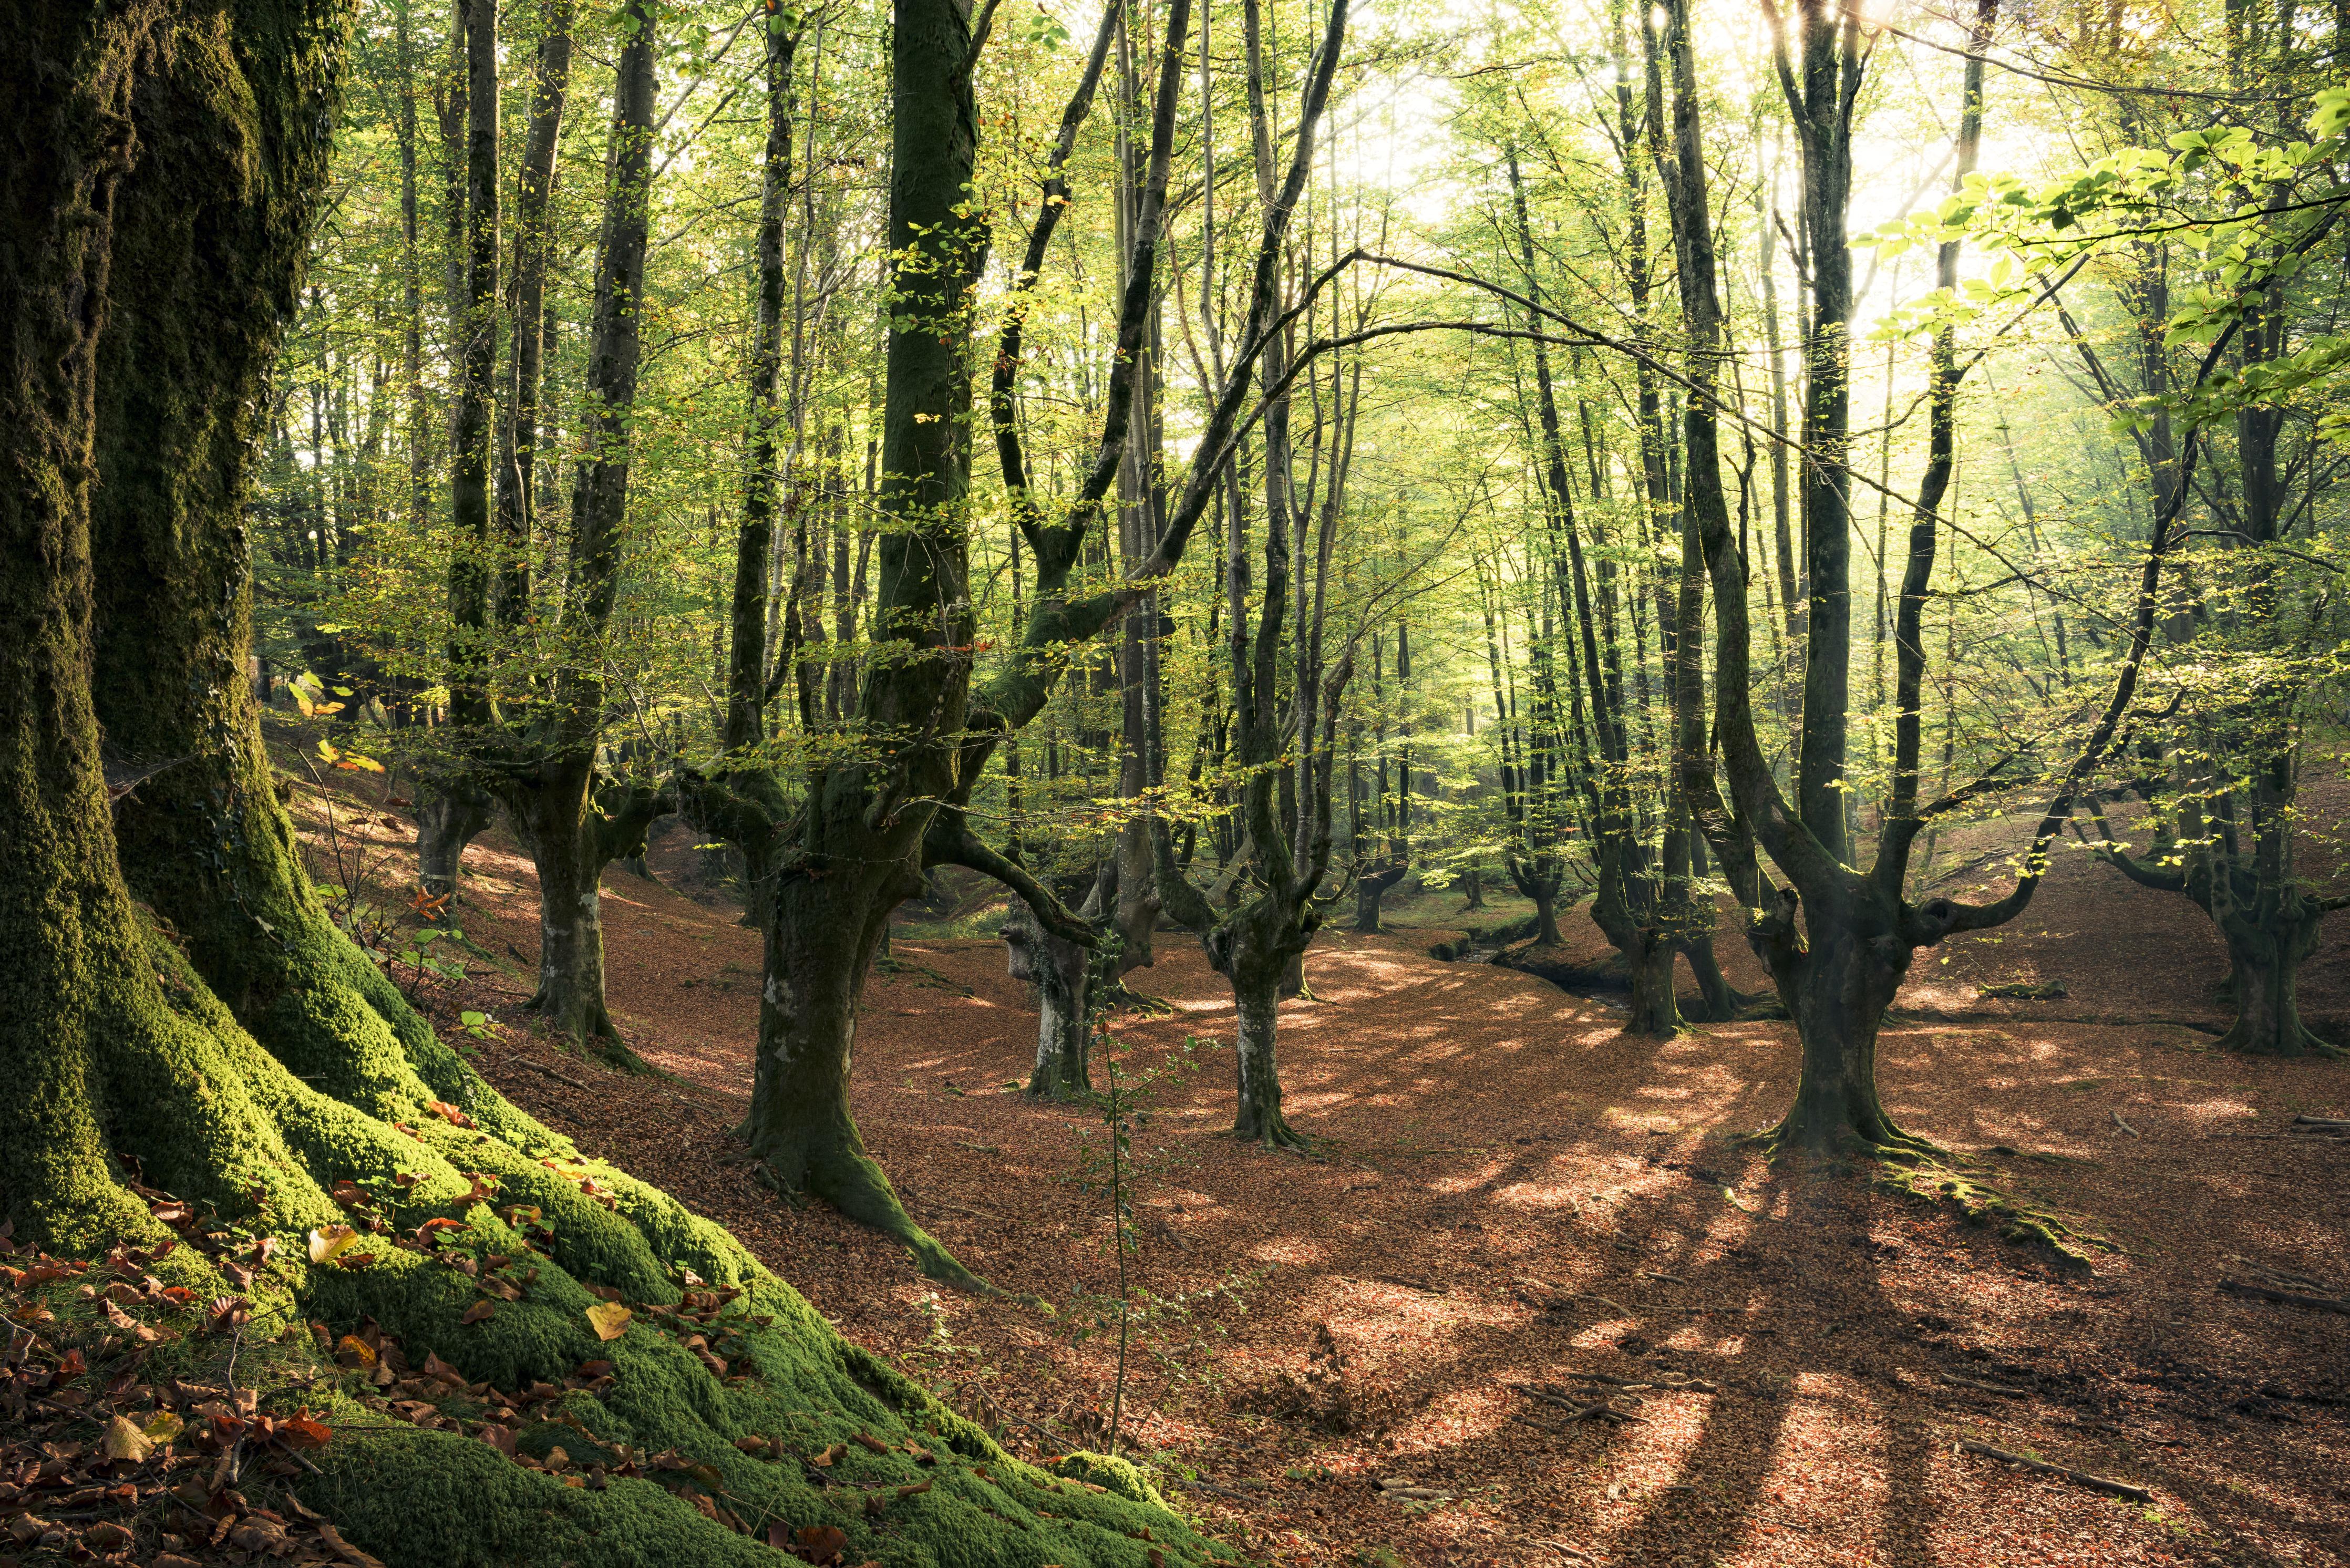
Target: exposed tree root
2303, 1043
1274, 1133
1980, 1203
853, 1182
1123, 998
457, 1173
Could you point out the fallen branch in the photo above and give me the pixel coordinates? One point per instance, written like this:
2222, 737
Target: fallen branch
1986, 1388
2123, 1126
1203, 1485
2290, 1298
1600, 1407
1413, 1493
2078, 1478
547, 1071
2332, 1126
1633, 1385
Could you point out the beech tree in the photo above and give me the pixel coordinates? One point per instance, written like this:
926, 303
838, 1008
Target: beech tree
183, 1000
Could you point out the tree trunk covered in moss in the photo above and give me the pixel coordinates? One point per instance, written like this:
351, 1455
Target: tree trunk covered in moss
1370, 889
1256, 1113
159, 202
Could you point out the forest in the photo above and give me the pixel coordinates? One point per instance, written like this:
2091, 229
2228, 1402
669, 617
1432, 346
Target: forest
1103, 784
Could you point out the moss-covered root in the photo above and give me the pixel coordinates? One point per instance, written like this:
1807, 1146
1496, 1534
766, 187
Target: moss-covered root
719, 1442
814, 1435
1978, 1202
852, 1181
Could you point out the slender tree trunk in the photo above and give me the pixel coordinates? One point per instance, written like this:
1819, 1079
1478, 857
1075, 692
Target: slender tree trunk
576, 822
517, 459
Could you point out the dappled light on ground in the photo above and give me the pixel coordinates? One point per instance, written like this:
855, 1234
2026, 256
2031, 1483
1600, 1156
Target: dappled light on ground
1514, 1212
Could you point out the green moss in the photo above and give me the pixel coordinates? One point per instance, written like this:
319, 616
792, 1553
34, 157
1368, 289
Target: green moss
1980, 1203
1112, 1474
214, 1118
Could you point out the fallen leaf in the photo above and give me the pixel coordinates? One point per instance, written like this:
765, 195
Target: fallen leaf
608, 1319
352, 1345
820, 1543
303, 1430
124, 1441
479, 1311
330, 1241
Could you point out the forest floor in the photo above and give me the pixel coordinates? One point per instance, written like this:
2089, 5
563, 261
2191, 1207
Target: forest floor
1373, 1355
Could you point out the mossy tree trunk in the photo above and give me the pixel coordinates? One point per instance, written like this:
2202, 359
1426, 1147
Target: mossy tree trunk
2270, 923
159, 206
1370, 889
574, 821
1538, 881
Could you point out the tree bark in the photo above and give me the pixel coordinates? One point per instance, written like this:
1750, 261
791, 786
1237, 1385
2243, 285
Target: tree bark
547, 770
228, 1038
534, 244
1370, 888
451, 813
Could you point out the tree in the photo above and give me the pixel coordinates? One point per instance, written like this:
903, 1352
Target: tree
1839, 969
575, 815
198, 1013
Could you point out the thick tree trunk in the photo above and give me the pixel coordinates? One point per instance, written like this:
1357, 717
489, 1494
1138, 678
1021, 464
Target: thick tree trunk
1257, 1117
860, 851
1716, 1001
552, 821
234, 1045
1544, 893
2264, 973
448, 818
1837, 991
820, 944
1292, 984
1656, 1009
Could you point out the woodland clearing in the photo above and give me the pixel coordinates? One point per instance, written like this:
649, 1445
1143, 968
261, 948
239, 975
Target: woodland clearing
1503, 1171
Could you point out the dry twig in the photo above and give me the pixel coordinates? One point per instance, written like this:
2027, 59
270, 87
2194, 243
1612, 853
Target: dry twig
2078, 1478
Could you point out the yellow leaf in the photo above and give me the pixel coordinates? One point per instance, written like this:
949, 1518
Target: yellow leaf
163, 1427
330, 1242
124, 1441
358, 1347
608, 1319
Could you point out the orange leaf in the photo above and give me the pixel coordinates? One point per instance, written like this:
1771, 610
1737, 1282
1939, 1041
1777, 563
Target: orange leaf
303, 1430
